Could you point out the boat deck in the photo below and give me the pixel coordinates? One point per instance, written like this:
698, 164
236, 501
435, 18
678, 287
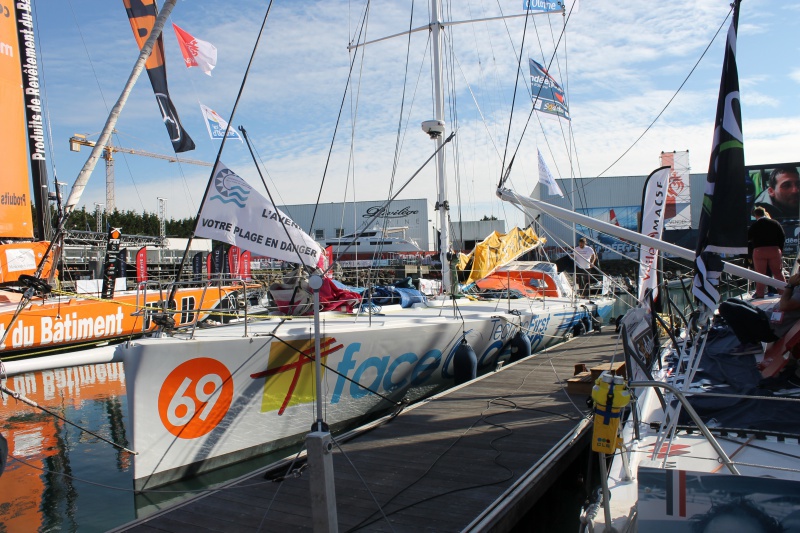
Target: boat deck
476, 457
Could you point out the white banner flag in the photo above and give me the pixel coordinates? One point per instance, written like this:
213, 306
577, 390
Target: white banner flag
217, 125
545, 178
653, 207
235, 213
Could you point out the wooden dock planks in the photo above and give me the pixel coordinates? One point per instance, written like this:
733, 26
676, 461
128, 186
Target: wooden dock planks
436, 467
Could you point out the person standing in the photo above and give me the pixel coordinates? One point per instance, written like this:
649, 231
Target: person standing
585, 258
766, 238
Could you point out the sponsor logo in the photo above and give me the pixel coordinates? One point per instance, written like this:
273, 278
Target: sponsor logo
9, 198
379, 212
542, 5
290, 373
230, 188
195, 397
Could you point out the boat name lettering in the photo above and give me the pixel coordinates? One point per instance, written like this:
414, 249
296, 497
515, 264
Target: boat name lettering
30, 80
501, 330
68, 328
376, 373
9, 198
383, 212
536, 330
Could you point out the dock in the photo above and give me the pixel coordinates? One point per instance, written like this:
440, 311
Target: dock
474, 458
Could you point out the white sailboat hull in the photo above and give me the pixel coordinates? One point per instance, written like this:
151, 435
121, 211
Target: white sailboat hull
687, 480
406, 353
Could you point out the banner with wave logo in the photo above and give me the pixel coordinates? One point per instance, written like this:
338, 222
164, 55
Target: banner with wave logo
236, 214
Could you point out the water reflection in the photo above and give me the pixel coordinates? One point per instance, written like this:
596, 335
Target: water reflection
45, 492
49, 492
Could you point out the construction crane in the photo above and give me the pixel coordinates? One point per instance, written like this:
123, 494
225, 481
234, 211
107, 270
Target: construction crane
78, 140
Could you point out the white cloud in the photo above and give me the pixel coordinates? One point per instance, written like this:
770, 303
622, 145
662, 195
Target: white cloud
620, 69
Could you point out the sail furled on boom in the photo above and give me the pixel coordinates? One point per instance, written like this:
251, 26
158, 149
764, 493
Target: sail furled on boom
724, 216
142, 15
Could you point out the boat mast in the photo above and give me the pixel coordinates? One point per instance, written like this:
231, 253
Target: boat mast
442, 205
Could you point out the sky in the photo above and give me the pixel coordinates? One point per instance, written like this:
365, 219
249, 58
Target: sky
318, 135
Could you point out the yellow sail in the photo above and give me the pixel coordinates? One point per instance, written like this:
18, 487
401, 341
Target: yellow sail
497, 250
16, 217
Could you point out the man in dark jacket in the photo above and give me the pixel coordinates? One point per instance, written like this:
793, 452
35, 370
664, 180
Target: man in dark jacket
766, 240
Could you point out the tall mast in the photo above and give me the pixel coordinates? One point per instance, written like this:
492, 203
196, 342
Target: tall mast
442, 205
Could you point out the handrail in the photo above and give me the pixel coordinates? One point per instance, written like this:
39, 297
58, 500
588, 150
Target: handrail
695, 418
197, 311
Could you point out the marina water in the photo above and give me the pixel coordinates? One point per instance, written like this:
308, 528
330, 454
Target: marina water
59, 478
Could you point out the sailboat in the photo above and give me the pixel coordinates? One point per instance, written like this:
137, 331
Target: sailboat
37, 318
710, 442
205, 398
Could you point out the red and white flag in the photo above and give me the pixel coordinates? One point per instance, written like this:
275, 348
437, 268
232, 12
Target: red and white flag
141, 264
196, 53
244, 266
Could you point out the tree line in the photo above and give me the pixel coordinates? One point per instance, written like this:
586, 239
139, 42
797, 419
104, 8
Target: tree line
131, 223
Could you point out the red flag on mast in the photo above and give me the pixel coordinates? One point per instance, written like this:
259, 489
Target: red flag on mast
196, 53
141, 264
244, 266
234, 254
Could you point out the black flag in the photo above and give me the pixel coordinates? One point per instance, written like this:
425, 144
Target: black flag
142, 16
724, 217
197, 266
218, 259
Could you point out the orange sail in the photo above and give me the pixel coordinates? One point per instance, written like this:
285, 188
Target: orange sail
16, 220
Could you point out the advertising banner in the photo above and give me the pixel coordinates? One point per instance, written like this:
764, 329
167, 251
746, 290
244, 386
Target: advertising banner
141, 264
197, 266
244, 266
654, 200
678, 215
15, 201
612, 247
236, 214
110, 266
776, 188
548, 96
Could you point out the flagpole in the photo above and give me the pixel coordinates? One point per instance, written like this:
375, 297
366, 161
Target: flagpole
179, 272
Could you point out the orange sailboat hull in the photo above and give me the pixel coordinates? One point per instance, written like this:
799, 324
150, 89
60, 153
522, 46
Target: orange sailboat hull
50, 325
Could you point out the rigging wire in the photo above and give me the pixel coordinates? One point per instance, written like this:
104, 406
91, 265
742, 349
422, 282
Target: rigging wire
507, 171
678, 90
362, 31
97, 79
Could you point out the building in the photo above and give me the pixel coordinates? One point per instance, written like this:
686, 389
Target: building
338, 219
616, 200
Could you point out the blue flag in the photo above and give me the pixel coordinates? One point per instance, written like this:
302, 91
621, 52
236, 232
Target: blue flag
724, 217
548, 96
543, 6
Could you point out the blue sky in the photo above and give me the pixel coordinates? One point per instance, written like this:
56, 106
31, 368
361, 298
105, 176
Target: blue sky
620, 66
